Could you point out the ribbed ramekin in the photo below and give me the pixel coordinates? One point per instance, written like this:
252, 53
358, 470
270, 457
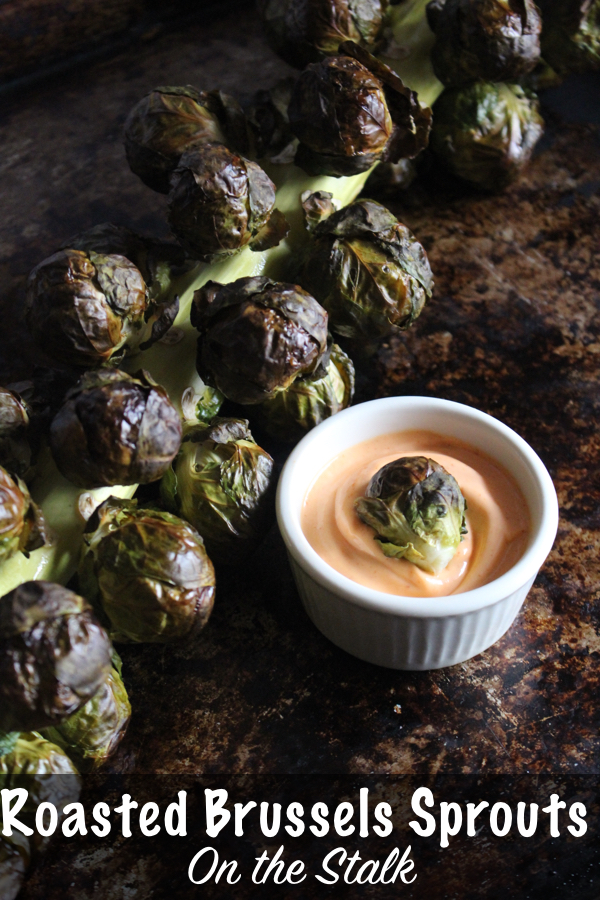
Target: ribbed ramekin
414, 633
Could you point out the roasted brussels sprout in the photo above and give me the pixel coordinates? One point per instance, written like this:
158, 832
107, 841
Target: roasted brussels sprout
487, 40
365, 268
90, 303
220, 202
305, 31
93, 734
571, 35
21, 521
351, 111
115, 428
269, 122
221, 482
46, 773
389, 179
257, 336
147, 573
54, 655
169, 121
158, 261
15, 855
311, 399
417, 510
486, 133
15, 451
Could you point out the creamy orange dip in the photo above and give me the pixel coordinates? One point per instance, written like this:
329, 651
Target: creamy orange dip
497, 517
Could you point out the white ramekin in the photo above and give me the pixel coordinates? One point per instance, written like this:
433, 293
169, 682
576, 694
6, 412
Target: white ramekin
414, 633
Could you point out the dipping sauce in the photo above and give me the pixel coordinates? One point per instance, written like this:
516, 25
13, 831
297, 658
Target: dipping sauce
497, 517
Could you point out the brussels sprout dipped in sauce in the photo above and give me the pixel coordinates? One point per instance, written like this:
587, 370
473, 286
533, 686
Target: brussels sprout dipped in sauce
54, 655
486, 133
220, 202
222, 483
169, 121
365, 268
350, 111
305, 31
94, 732
257, 336
22, 526
417, 511
310, 399
147, 573
485, 40
115, 428
15, 453
416, 514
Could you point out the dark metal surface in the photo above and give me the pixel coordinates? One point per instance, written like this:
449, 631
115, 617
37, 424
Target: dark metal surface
513, 329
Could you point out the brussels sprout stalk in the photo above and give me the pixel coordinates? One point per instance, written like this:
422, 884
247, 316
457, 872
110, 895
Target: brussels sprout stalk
172, 362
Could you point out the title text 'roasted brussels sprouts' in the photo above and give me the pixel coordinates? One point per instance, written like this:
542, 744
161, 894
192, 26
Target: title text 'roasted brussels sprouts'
486, 133
257, 336
169, 121
220, 202
115, 428
350, 111
364, 267
54, 655
310, 399
486, 40
417, 510
21, 521
305, 31
221, 482
147, 572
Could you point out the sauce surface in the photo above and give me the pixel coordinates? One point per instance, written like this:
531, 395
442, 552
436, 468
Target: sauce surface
497, 517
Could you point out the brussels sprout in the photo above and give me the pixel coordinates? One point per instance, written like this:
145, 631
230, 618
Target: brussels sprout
257, 336
486, 133
269, 121
489, 40
571, 35
93, 734
158, 261
220, 202
169, 121
48, 775
305, 31
389, 179
147, 572
87, 306
311, 399
417, 510
15, 452
15, 855
366, 269
351, 111
54, 655
21, 521
115, 428
221, 483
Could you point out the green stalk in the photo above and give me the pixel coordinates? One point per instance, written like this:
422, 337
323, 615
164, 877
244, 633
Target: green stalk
173, 364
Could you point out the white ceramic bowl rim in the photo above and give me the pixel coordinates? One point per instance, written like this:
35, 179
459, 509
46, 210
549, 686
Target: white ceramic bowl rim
543, 531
